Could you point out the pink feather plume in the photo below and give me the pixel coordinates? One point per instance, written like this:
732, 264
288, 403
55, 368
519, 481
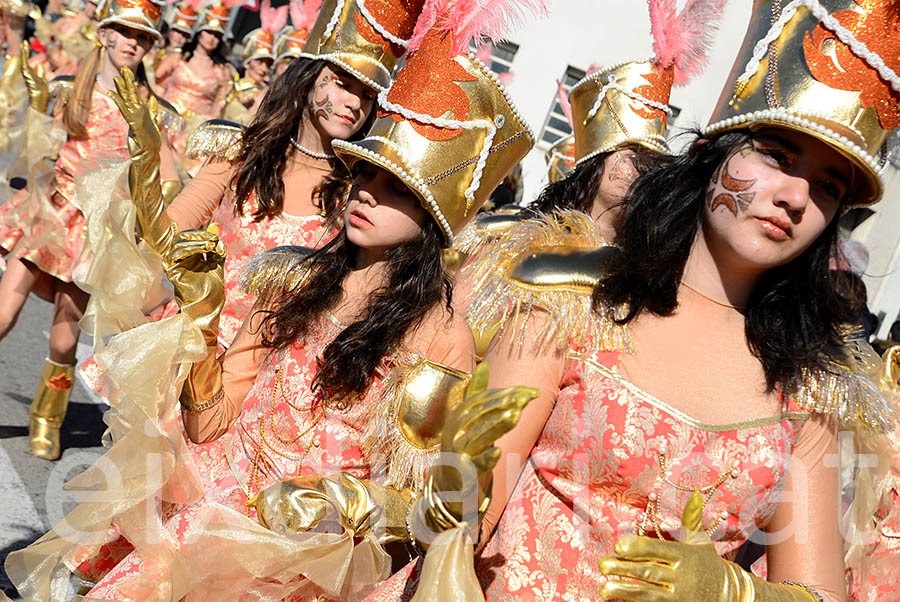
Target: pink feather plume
594, 68
233, 3
483, 54
476, 20
684, 39
195, 4
272, 19
304, 14
564, 103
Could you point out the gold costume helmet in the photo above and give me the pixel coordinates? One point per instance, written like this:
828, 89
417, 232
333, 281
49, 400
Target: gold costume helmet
290, 44
143, 15
258, 44
448, 129
560, 158
827, 68
363, 37
185, 17
628, 103
214, 18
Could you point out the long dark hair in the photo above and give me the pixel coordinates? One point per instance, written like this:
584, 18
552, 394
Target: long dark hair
578, 189
795, 312
266, 147
219, 56
415, 284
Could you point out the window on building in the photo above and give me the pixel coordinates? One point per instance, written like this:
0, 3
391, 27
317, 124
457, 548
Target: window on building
500, 56
556, 125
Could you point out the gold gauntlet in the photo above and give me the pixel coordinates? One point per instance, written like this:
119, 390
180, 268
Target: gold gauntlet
156, 227
194, 266
38, 91
309, 503
653, 569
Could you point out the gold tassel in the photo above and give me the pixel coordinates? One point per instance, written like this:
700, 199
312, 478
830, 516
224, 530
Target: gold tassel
274, 273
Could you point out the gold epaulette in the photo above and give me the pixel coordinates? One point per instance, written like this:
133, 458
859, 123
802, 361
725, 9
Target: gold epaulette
549, 263
484, 230
404, 436
271, 274
168, 116
848, 386
215, 138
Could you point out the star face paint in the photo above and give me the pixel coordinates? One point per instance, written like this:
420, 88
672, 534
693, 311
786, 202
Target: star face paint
729, 191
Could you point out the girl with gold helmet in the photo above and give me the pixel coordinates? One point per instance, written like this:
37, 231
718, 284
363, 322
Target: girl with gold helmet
43, 227
693, 392
318, 422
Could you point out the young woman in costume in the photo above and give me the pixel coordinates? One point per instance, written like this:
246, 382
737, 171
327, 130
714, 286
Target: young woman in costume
693, 390
348, 367
278, 182
43, 229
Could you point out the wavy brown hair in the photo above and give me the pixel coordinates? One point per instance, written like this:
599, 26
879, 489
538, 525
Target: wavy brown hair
796, 311
266, 147
415, 283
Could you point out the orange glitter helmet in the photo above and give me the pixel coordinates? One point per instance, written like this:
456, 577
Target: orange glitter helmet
143, 15
184, 18
628, 103
363, 37
826, 68
446, 127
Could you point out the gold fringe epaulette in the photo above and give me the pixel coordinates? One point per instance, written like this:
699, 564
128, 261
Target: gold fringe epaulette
404, 435
168, 116
549, 263
271, 274
215, 138
485, 230
848, 387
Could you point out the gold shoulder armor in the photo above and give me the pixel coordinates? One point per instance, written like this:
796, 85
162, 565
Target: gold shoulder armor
565, 268
168, 116
215, 138
851, 386
275, 272
406, 431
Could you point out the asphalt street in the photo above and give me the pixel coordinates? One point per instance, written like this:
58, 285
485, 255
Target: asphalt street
32, 498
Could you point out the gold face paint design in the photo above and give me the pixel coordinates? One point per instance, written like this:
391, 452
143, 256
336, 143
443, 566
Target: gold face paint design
734, 193
623, 169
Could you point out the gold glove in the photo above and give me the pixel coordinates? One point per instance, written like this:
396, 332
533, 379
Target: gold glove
468, 455
325, 504
38, 91
195, 267
11, 70
890, 376
156, 227
656, 570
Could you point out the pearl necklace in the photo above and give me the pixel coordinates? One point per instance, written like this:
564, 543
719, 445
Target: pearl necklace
311, 153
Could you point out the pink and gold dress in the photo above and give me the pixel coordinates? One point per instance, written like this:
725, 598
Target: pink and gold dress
52, 236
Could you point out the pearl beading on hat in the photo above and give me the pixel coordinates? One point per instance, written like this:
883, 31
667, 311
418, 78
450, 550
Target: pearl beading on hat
612, 85
796, 118
335, 17
374, 23
404, 172
819, 12
596, 74
654, 141
334, 58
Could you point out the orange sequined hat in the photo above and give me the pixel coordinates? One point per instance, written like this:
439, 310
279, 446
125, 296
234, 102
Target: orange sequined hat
363, 37
214, 18
446, 127
143, 15
628, 103
185, 17
827, 68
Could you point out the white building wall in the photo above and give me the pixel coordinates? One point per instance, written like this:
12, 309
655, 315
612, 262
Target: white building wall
585, 32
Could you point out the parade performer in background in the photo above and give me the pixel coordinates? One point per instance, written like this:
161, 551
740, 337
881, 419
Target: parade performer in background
196, 80
700, 377
350, 365
243, 101
291, 41
178, 31
43, 227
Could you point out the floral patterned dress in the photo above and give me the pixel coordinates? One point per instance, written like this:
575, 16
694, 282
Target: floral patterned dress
285, 430
54, 241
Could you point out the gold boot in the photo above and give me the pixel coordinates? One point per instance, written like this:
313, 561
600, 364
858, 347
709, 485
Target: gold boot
48, 409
